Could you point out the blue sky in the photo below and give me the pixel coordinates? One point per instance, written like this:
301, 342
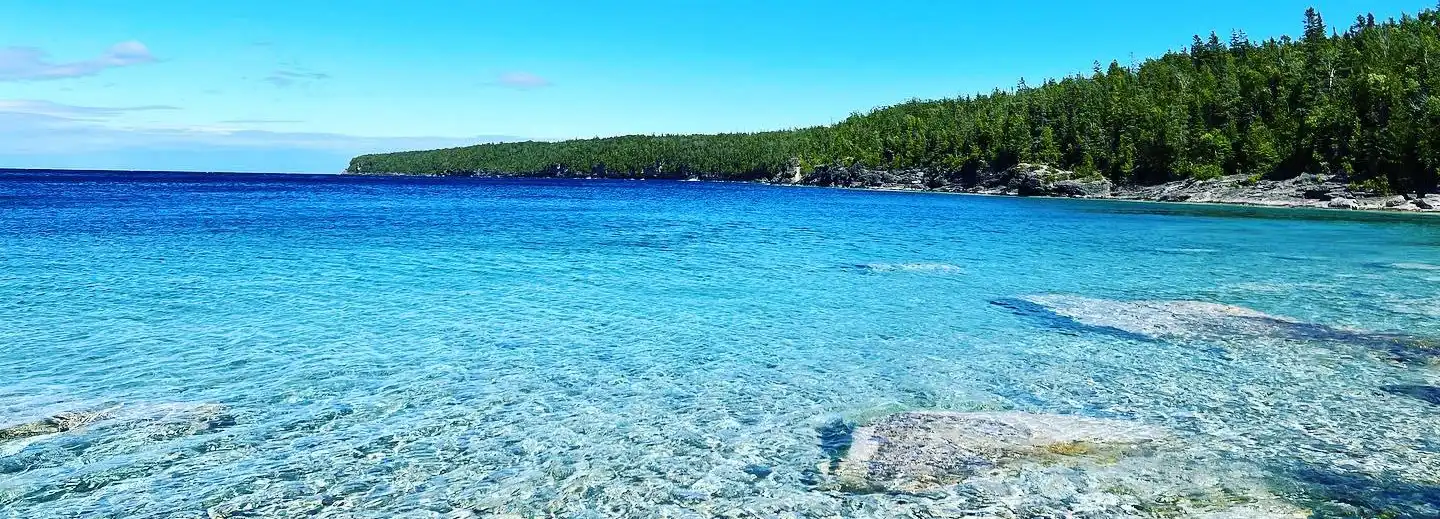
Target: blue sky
296, 85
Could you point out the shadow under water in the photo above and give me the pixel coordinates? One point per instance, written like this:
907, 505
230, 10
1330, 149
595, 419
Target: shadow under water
835, 438
1189, 320
1427, 393
1062, 323
1339, 494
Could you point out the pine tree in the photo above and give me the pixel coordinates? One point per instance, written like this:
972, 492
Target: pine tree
1049, 150
1365, 103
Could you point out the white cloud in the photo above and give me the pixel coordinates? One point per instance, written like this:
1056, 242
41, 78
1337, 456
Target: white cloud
32, 64
261, 121
47, 108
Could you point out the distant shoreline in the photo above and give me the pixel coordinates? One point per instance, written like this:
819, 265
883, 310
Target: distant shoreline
1332, 195
1031, 181
1377, 210
162, 171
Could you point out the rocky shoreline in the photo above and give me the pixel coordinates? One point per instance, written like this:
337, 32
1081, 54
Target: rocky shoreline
1309, 191
1033, 180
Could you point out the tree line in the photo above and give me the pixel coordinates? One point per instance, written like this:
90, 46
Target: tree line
1362, 100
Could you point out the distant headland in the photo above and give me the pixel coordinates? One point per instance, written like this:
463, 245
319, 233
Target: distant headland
1339, 117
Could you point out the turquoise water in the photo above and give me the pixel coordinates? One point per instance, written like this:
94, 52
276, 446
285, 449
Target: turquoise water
277, 346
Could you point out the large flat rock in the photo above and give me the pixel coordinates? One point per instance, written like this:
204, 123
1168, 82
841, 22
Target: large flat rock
915, 451
1201, 320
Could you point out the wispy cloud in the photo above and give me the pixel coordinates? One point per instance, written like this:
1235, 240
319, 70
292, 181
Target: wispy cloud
261, 121
64, 111
284, 78
45, 134
521, 80
32, 64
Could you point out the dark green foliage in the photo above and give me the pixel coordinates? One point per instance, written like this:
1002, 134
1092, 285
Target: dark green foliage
1365, 103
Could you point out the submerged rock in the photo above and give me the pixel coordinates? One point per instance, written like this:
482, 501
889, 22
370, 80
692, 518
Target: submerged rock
56, 424
1188, 320
1263, 509
1017, 464
759, 471
185, 419
1427, 393
1156, 319
917, 451
165, 420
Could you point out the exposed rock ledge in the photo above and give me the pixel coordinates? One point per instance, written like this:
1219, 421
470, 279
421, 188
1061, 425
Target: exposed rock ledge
1302, 191
1317, 191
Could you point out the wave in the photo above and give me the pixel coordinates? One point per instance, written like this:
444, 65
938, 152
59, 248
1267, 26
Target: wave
1186, 251
938, 268
1295, 257
1414, 266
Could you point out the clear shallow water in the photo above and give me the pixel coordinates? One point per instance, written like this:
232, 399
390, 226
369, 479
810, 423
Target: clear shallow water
436, 347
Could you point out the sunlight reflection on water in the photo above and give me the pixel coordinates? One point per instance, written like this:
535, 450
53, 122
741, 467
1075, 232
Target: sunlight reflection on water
342, 347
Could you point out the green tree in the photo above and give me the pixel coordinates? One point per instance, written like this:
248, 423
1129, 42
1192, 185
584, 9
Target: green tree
1259, 156
1362, 103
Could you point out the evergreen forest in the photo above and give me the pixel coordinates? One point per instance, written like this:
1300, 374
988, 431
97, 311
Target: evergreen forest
1360, 99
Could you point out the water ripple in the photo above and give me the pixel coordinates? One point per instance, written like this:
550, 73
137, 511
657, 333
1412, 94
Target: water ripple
339, 347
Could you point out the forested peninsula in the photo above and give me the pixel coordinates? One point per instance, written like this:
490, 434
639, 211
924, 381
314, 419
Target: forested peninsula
1339, 113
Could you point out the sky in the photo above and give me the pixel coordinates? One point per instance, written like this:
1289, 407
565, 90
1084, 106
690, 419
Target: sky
302, 86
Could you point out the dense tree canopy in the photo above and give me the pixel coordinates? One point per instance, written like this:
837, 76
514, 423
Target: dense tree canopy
1362, 100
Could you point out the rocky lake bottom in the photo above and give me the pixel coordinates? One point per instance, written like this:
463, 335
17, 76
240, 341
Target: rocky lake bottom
281, 346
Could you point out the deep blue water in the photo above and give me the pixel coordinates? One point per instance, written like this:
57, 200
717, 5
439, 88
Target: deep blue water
378, 347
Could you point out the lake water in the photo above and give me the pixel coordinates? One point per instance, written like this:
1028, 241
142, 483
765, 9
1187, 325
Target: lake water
277, 346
